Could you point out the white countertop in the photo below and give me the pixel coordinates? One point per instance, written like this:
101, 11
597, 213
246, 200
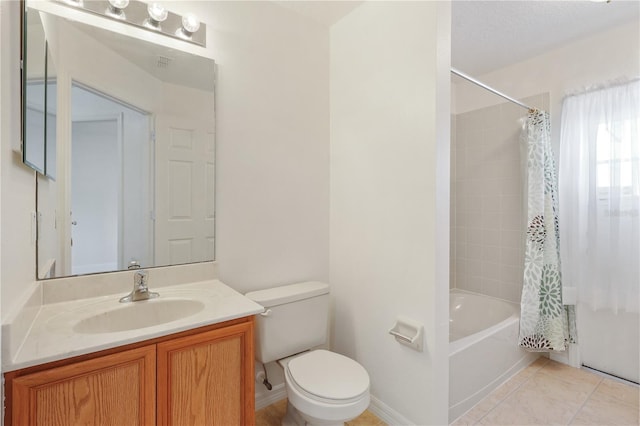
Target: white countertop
52, 337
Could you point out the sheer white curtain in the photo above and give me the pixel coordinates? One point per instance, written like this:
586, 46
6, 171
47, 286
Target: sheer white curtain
599, 186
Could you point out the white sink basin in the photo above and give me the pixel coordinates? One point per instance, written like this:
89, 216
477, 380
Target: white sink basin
136, 315
68, 328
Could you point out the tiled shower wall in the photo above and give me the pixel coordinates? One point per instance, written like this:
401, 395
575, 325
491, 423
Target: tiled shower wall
488, 210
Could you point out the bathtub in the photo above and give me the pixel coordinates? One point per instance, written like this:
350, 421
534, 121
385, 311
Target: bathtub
483, 348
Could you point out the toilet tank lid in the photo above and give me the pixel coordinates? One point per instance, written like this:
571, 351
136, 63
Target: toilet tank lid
288, 293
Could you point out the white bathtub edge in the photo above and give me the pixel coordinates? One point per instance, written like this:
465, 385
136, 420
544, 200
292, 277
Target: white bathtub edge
463, 343
456, 412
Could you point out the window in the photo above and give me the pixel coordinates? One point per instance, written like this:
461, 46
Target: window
615, 158
599, 196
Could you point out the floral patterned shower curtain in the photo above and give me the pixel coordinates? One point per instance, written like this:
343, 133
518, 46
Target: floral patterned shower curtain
545, 323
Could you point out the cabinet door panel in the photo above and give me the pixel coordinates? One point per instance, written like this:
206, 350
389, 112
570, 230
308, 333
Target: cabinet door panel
207, 379
114, 390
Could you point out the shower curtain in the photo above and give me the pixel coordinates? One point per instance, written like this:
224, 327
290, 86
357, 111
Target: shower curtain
545, 323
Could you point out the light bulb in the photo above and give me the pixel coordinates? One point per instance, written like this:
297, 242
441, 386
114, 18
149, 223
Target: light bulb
119, 4
157, 12
190, 23
116, 7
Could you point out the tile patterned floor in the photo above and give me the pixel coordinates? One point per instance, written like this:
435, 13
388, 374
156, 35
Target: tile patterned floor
550, 393
544, 393
273, 414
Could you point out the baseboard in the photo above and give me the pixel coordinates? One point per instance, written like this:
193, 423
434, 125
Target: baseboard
274, 395
377, 407
570, 356
386, 413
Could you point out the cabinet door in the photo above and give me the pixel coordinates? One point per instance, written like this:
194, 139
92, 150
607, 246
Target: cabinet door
207, 379
117, 389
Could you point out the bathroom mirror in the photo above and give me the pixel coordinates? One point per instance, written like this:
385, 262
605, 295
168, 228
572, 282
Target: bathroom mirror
130, 151
33, 89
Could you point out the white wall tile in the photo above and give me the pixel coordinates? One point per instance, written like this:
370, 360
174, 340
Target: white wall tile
491, 221
511, 239
474, 251
492, 254
510, 256
475, 236
488, 202
490, 287
491, 238
491, 271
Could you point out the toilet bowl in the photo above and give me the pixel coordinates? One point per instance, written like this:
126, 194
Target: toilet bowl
324, 388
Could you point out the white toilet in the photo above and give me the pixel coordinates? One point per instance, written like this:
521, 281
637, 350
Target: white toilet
323, 387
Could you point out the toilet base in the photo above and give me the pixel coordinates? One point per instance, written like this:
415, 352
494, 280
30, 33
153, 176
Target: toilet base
294, 418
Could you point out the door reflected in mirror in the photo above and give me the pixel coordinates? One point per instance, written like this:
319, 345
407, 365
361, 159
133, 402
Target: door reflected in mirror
111, 175
134, 155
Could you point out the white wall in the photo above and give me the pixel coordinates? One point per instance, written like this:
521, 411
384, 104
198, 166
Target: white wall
18, 182
272, 157
48, 247
389, 198
17, 198
4, 32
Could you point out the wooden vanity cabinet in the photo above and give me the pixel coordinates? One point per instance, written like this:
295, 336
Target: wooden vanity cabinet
203, 379
198, 377
117, 389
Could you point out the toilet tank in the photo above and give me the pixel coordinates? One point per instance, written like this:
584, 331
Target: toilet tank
295, 319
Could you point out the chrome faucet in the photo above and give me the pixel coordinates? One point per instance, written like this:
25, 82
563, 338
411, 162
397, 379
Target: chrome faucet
140, 289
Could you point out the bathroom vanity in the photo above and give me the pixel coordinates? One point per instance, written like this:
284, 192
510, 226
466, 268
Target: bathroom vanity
74, 368
71, 352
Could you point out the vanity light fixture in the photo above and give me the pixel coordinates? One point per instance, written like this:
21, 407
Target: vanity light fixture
116, 9
72, 3
152, 16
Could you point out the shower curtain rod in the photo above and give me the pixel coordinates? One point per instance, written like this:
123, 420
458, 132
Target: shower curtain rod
491, 89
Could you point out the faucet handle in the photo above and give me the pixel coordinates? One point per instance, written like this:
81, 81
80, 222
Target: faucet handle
140, 278
140, 290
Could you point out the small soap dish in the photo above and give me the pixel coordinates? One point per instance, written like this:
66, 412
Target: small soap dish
408, 332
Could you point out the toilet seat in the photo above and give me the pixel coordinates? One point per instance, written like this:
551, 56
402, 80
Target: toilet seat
328, 377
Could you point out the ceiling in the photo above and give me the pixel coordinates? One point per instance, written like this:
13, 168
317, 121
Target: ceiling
324, 12
487, 35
